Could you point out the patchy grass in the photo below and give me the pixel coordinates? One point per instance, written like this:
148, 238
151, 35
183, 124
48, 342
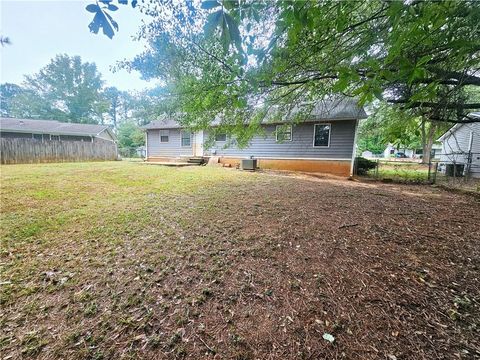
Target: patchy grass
123, 260
401, 171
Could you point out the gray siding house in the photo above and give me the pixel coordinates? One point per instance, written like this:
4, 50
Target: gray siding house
324, 142
461, 145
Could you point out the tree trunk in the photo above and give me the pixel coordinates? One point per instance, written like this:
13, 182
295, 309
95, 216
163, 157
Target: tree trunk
114, 118
428, 138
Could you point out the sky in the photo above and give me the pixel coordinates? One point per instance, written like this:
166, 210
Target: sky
41, 29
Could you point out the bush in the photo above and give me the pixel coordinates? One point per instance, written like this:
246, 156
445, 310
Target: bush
364, 165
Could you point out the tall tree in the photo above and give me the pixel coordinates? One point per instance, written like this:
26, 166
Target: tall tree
112, 96
70, 88
8, 93
388, 124
130, 135
232, 58
146, 105
121, 104
20, 102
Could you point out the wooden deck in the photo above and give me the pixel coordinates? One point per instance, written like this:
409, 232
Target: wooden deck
170, 163
177, 162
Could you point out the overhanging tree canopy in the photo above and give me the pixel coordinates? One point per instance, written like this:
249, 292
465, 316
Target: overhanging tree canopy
235, 57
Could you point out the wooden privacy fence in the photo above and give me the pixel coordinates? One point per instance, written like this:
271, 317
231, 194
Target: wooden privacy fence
27, 151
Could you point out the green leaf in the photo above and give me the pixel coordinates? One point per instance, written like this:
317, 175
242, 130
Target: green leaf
100, 21
425, 59
366, 97
230, 4
213, 21
92, 8
341, 84
113, 22
378, 93
341, 19
210, 4
417, 73
225, 36
234, 33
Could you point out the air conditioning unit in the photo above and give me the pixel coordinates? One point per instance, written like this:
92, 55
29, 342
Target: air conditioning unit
248, 164
454, 170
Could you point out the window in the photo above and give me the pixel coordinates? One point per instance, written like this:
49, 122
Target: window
164, 136
37, 136
186, 138
221, 137
321, 135
55, 137
283, 133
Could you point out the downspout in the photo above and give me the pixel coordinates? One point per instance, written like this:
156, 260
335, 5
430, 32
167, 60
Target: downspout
354, 150
193, 136
146, 145
466, 169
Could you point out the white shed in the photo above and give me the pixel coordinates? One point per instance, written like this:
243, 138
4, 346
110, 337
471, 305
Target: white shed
391, 150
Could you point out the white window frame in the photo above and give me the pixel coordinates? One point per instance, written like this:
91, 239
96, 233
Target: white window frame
162, 133
181, 138
283, 126
329, 134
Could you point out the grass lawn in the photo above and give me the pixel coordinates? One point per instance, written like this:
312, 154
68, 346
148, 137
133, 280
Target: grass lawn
408, 172
122, 260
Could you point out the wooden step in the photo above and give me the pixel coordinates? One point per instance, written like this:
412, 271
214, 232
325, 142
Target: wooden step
196, 160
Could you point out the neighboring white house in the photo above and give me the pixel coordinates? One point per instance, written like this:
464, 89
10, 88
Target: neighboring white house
391, 150
461, 145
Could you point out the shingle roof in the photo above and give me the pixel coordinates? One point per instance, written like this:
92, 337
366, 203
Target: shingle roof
337, 108
51, 127
340, 108
164, 122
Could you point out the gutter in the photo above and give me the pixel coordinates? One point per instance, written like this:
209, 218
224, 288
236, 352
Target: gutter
26, 131
307, 121
354, 150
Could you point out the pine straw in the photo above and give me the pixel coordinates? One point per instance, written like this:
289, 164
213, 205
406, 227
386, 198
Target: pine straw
259, 268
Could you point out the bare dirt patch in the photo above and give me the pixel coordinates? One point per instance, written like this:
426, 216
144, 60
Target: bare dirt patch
222, 264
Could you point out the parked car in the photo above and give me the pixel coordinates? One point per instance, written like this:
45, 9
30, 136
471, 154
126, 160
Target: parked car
400, 155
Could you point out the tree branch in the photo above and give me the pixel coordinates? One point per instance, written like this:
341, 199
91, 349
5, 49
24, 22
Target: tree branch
452, 106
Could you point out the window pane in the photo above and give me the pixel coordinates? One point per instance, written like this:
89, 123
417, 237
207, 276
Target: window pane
164, 135
322, 135
221, 137
284, 133
186, 136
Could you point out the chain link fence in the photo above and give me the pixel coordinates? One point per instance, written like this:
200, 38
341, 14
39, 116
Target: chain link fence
449, 169
458, 170
133, 153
